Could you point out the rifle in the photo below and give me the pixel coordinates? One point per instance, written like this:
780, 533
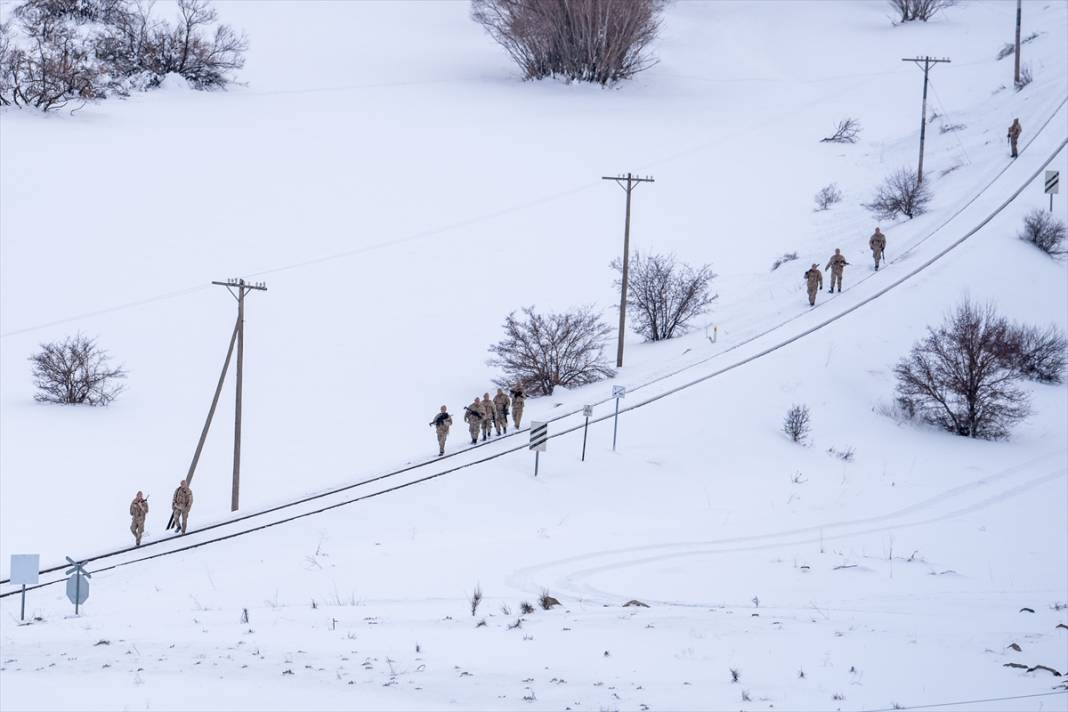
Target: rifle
478, 416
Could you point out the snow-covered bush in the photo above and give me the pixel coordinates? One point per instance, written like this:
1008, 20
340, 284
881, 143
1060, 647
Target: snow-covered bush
1044, 231
902, 193
542, 351
780, 261
663, 295
1025, 77
60, 51
75, 370
797, 424
959, 377
827, 196
1036, 353
846, 131
910, 10
600, 41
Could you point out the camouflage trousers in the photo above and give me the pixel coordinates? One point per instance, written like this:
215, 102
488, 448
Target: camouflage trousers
500, 423
836, 278
517, 414
473, 428
487, 426
442, 434
137, 528
181, 516
877, 255
812, 296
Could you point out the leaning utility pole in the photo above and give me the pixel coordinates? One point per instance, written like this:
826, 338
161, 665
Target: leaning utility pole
631, 181
1019, 13
927, 62
243, 288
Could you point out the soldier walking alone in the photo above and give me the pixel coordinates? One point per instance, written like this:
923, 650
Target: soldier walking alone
837, 265
518, 399
489, 416
138, 512
500, 404
181, 503
473, 418
441, 423
877, 243
1014, 135
814, 282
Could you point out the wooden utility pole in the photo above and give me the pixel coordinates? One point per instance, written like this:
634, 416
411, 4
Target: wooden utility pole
927, 62
627, 183
242, 289
1019, 14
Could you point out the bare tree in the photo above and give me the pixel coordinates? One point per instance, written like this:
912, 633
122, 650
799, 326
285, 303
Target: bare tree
901, 193
924, 10
959, 378
601, 41
827, 196
542, 351
1037, 354
663, 295
1045, 232
75, 370
847, 131
50, 68
797, 423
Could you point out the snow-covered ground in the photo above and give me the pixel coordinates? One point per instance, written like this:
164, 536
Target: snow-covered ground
400, 191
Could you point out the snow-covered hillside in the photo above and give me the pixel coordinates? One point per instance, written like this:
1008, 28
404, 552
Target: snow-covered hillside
400, 191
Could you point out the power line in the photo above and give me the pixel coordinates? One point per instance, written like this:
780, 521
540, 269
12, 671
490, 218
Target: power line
967, 702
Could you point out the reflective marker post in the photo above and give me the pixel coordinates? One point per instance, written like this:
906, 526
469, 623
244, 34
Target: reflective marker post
24, 572
1053, 180
587, 411
539, 440
617, 393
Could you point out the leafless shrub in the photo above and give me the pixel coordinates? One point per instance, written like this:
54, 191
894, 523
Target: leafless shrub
948, 128
75, 370
1035, 353
959, 378
1045, 232
847, 131
48, 69
797, 423
542, 351
505, 609
518, 623
481, 623
736, 675
546, 601
827, 196
845, 454
902, 193
525, 608
601, 41
476, 598
924, 10
663, 295
946, 171
745, 696
838, 697
1009, 48
786, 257
1025, 77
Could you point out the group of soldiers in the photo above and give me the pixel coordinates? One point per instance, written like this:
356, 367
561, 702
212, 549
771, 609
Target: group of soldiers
837, 265
483, 416
181, 503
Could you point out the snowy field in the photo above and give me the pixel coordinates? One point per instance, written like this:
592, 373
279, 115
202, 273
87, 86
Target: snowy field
400, 192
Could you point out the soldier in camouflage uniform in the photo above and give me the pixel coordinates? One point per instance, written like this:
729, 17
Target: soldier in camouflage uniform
877, 243
814, 282
837, 265
441, 423
473, 418
518, 399
489, 416
500, 404
181, 503
1014, 135
138, 511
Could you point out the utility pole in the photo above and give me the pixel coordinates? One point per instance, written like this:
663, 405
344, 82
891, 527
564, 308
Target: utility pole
927, 62
627, 183
1019, 13
242, 289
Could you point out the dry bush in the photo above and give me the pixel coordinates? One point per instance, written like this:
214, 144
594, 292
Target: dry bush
546, 600
476, 598
75, 370
847, 131
902, 193
924, 10
1045, 232
827, 196
663, 296
525, 608
786, 257
601, 41
542, 351
1025, 77
960, 377
948, 128
1035, 353
1009, 48
797, 424
49, 68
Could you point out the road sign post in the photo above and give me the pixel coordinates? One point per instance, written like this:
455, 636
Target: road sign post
587, 411
77, 583
539, 440
24, 572
617, 393
1053, 185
